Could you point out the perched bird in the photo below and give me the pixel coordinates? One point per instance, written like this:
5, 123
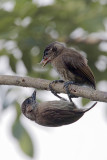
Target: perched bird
52, 113
70, 64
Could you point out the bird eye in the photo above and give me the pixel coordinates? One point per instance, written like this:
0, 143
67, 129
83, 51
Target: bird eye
30, 111
46, 53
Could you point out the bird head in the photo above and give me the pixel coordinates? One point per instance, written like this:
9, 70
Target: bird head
51, 52
29, 105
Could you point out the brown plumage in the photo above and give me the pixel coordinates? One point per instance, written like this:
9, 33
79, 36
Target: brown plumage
52, 113
69, 63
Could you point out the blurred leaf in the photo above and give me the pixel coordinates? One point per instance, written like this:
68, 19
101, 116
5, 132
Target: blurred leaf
27, 61
12, 61
6, 101
20, 133
85, 101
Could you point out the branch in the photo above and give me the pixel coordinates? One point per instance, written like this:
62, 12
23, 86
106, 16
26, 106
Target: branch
43, 84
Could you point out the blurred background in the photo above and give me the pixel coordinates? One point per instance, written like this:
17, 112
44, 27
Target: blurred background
26, 28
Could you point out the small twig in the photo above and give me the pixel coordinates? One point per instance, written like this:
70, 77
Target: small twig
43, 84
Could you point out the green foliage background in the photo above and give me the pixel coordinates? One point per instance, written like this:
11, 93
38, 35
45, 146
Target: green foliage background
28, 28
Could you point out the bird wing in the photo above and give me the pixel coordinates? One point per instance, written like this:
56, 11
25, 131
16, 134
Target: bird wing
78, 64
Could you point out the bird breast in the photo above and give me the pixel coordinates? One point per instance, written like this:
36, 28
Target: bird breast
61, 69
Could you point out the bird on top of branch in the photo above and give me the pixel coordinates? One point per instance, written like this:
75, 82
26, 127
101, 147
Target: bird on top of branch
71, 66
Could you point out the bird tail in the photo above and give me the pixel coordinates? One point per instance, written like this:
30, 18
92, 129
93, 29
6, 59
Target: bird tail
90, 107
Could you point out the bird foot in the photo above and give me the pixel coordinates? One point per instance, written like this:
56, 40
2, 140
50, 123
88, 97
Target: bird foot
53, 91
66, 86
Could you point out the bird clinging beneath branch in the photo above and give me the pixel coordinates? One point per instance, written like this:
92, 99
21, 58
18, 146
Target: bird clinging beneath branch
52, 113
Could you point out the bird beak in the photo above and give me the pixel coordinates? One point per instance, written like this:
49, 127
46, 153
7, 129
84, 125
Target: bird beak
33, 102
34, 96
45, 61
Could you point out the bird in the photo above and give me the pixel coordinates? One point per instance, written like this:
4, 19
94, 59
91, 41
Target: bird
52, 113
71, 66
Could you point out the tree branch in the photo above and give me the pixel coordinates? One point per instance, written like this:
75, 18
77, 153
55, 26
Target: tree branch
43, 84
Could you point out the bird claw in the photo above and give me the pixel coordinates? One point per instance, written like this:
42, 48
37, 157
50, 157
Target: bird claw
66, 86
53, 91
